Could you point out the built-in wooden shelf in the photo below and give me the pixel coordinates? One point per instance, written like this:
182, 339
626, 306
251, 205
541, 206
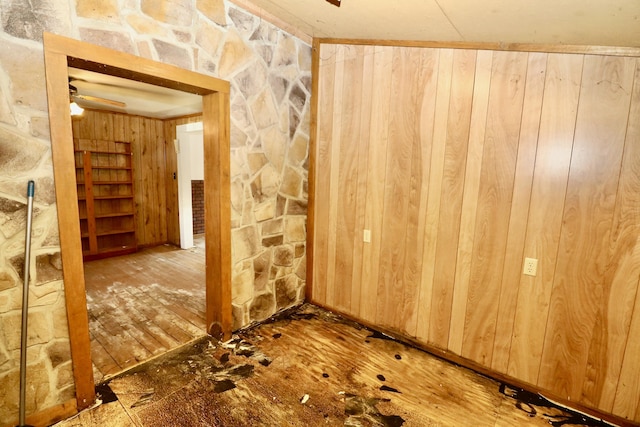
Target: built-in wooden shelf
107, 218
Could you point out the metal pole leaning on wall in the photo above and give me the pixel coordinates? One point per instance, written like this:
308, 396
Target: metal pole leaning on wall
25, 304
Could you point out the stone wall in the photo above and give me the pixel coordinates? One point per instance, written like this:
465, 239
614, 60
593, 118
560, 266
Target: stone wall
270, 75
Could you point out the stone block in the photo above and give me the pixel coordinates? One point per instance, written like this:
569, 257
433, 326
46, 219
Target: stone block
279, 87
237, 137
213, 10
269, 228
300, 250
286, 52
291, 183
174, 12
39, 330
295, 229
240, 113
301, 270
247, 213
45, 294
298, 97
273, 241
265, 52
7, 280
283, 256
111, 39
239, 317
242, 286
262, 306
237, 193
172, 54
251, 81
29, 19
146, 26
58, 352
245, 243
286, 291
64, 375
265, 210
256, 161
274, 145
182, 36
236, 54
48, 268
280, 206
265, 32
298, 150
18, 155
266, 184
244, 22
208, 37
297, 207
261, 266
264, 110
98, 9
294, 121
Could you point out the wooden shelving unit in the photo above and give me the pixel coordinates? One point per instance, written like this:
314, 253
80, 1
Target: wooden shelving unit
104, 177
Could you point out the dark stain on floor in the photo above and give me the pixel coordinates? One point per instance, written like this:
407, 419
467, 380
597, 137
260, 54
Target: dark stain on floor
536, 405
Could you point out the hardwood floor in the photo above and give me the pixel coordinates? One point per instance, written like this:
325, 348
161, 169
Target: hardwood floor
144, 304
310, 367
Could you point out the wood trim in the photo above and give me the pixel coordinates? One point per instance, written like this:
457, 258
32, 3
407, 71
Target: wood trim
61, 52
217, 207
69, 224
518, 47
120, 64
50, 415
476, 367
311, 202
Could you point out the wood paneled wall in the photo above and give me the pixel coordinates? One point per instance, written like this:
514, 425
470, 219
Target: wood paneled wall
462, 163
147, 142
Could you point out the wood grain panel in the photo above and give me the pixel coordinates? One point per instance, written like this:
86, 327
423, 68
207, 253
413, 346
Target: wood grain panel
432, 211
347, 175
534, 89
555, 142
579, 292
462, 163
494, 203
376, 177
325, 145
475, 148
363, 137
618, 380
453, 172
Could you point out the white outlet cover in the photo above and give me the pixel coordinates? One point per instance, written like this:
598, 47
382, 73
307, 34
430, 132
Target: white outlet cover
530, 267
366, 236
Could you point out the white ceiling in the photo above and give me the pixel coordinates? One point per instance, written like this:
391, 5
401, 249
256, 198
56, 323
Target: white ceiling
140, 98
578, 22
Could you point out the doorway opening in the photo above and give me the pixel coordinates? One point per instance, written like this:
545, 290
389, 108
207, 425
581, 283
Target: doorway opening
61, 53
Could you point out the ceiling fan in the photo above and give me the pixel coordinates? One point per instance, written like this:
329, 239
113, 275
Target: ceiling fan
73, 95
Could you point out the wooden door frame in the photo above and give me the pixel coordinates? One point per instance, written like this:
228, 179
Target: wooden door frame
60, 53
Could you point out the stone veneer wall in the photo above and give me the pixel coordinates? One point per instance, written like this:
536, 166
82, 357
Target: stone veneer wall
197, 206
270, 75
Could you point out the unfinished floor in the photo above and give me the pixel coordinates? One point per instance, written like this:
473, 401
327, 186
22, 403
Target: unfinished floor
144, 304
312, 368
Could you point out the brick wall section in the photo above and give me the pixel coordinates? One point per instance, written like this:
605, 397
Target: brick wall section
197, 206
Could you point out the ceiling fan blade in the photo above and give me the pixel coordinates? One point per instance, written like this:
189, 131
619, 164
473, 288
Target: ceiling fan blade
101, 100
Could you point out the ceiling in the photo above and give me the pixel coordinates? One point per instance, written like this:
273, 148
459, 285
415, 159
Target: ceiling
140, 98
577, 22
574, 22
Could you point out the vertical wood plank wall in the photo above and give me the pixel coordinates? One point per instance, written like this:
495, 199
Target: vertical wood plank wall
462, 163
154, 162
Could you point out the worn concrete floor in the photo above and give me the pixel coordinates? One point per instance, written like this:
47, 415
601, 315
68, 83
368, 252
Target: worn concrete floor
312, 368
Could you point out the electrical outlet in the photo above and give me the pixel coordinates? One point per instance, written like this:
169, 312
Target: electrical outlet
366, 237
530, 266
